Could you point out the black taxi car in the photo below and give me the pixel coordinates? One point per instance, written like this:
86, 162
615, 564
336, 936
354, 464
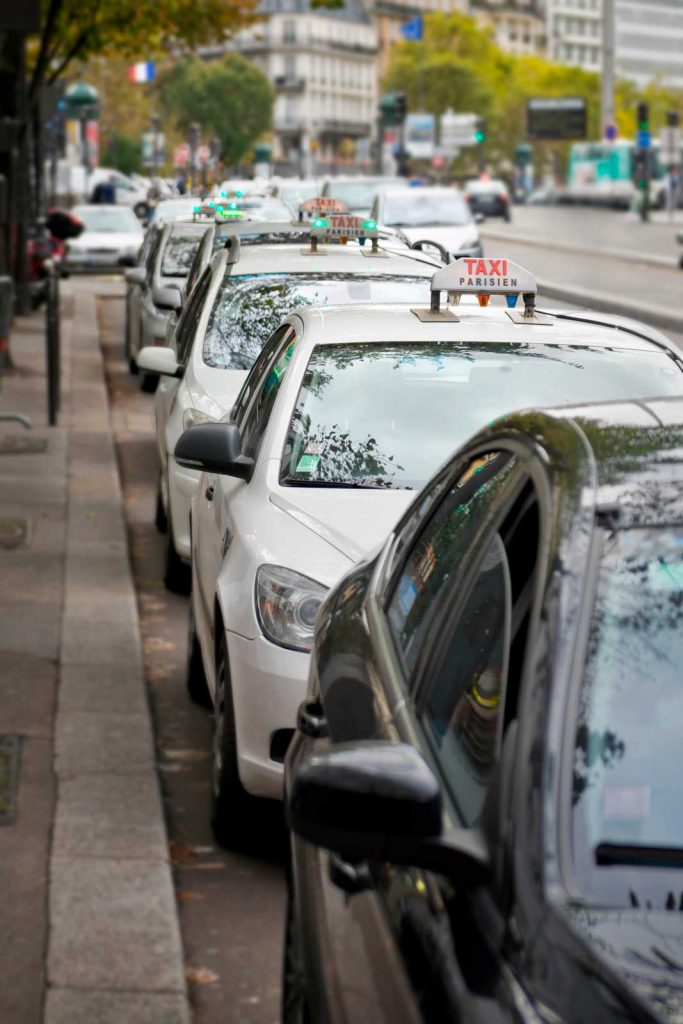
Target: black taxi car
484, 790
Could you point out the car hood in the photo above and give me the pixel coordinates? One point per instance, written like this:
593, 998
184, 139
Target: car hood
214, 391
644, 949
106, 240
453, 237
352, 521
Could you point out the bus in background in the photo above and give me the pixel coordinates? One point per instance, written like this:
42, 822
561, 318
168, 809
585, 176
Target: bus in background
602, 173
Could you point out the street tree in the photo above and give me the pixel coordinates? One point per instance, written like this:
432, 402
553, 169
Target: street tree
230, 98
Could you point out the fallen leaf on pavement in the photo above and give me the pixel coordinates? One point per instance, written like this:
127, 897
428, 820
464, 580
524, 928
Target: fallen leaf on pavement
200, 976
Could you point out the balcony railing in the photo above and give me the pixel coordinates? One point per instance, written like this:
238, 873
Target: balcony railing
289, 83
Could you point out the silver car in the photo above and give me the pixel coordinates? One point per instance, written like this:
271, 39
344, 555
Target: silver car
111, 240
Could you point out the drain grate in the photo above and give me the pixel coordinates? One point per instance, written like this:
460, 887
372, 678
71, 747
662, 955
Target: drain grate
14, 534
10, 747
19, 444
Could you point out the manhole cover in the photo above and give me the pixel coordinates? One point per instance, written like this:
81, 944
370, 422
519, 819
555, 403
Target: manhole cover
9, 777
14, 533
19, 444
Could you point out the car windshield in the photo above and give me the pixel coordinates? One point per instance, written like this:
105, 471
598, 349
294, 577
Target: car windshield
295, 195
626, 800
416, 208
388, 414
108, 220
169, 209
247, 310
179, 253
485, 186
358, 195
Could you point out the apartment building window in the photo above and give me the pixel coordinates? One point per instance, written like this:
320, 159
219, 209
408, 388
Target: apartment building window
290, 65
289, 31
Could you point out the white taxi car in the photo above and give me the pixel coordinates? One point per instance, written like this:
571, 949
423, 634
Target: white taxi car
436, 214
237, 303
345, 414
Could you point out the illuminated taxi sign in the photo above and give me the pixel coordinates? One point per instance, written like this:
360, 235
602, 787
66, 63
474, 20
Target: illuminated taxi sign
322, 205
484, 278
342, 227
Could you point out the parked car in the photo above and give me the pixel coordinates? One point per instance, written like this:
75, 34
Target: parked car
111, 239
483, 790
357, 192
436, 214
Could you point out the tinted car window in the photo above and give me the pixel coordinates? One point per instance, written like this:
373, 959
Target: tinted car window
247, 309
179, 252
439, 549
463, 708
268, 390
626, 792
187, 324
268, 353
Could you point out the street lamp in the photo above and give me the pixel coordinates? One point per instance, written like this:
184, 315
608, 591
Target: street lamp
82, 104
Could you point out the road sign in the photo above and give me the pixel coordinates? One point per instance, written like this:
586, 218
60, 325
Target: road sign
556, 118
643, 140
670, 146
457, 130
181, 156
419, 135
203, 155
611, 132
153, 149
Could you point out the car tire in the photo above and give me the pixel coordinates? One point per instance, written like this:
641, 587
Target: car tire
177, 575
294, 1007
160, 517
197, 686
149, 382
231, 805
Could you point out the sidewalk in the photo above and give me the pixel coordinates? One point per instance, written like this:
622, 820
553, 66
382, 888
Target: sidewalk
89, 925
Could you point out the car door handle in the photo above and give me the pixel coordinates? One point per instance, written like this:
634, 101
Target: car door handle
209, 492
311, 720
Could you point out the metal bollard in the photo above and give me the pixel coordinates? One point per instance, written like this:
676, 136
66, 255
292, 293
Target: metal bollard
53, 353
6, 304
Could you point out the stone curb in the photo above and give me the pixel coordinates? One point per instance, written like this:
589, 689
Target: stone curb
114, 945
655, 316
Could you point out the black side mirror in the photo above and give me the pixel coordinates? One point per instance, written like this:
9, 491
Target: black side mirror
427, 243
379, 801
214, 448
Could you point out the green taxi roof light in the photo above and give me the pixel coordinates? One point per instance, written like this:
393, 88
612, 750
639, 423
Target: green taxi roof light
233, 205
370, 225
319, 222
239, 193
224, 195
197, 209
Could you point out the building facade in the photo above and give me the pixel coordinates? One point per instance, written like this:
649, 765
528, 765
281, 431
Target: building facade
519, 26
649, 41
322, 66
574, 31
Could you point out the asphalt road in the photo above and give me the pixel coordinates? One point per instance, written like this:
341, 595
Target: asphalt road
230, 904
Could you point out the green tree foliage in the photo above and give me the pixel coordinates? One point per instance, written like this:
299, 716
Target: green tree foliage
459, 66
123, 152
74, 29
230, 99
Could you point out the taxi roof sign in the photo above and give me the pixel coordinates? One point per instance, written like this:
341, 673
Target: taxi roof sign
484, 277
322, 205
343, 226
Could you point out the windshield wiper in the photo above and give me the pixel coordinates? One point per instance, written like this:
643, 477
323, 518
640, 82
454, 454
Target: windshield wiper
630, 855
337, 484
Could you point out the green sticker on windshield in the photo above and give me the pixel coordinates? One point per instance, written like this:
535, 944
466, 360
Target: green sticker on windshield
666, 575
307, 463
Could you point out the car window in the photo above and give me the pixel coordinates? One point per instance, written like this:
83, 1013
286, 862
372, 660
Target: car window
625, 798
473, 655
439, 548
268, 353
463, 708
188, 320
153, 255
267, 390
202, 253
179, 251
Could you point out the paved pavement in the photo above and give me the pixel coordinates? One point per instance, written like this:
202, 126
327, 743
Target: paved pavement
90, 930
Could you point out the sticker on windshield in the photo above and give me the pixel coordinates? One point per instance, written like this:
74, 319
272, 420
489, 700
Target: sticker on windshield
308, 463
407, 593
314, 448
626, 803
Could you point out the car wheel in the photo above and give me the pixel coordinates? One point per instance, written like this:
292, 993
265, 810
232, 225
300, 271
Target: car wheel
177, 575
149, 382
196, 677
294, 1002
231, 805
160, 518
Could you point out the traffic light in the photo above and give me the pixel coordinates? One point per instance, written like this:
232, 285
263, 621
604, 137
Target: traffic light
643, 115
401, 106
480, 131
673, 119
393, 108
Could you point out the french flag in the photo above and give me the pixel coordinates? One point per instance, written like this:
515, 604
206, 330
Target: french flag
144, 72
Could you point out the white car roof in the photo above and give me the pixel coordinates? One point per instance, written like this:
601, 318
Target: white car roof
417, 190
284, 258
396, 322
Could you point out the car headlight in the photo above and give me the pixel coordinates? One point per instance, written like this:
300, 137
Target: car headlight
193, 416
287, 604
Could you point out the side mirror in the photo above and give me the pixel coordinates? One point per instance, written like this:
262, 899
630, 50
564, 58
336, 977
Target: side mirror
379, 801
214, 448
479, 218
136, 275
157, 359
427, 243
167, 297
